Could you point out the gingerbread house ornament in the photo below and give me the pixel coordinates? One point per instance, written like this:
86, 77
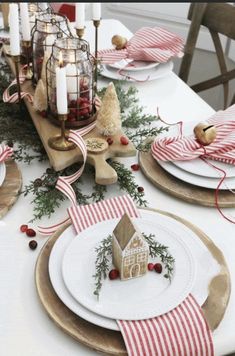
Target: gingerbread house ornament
129, 249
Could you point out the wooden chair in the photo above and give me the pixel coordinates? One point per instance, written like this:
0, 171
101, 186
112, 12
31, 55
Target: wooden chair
219, 18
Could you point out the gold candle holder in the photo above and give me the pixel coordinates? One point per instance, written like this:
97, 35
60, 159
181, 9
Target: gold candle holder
80, 32
61, 142
16, 60
27, 46
96, 24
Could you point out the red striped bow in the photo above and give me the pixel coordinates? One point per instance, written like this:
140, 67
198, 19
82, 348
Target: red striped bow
184, 148
5, 152
148, 44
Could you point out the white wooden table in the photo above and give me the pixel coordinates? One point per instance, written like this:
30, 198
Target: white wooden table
25, 329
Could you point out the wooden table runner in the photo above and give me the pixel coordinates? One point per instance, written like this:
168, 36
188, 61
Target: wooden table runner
59, 160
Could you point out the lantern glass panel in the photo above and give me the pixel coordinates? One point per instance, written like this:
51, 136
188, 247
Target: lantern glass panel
74, 55
48, 27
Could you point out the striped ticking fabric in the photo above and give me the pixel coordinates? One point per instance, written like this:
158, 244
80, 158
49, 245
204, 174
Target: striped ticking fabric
181, 332
148, 44
182, 148
5, 152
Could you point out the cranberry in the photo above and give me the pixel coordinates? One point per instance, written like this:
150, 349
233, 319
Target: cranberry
135, 167
43, 113
23, 228
150, 266
71, 117
109, 140
73, 104
30, 233
140, 189
33, 244
113, 274
158, 267
124, 140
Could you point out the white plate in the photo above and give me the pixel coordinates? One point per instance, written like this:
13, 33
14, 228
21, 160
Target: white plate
194, 179
140, 298
57, 282
134, 66
203, 258
155, 73
197, 166
2, 173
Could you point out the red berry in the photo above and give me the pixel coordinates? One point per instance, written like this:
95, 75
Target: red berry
30, 233
71, 117
109, 140
135, 167
140, 189
73, 104
150, 266
33, 244
113, 274
43, 113
124, 140
24, 228
158, 267
73, 111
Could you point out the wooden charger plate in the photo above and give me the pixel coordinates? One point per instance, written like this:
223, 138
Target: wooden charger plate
179, 189
11, 187
108, 341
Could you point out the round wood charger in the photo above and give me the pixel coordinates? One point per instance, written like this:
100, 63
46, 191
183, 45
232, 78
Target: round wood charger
182, 190
10, 189
108, 341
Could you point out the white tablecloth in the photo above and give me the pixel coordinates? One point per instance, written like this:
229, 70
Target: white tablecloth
25, 328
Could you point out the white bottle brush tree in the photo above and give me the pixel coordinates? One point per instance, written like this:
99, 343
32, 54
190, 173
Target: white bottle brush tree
109, 116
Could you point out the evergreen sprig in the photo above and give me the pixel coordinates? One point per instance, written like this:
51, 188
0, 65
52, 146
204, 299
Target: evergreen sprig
102, 263
158, 250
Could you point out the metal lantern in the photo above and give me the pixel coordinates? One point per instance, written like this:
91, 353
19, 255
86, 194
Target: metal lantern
48, 27
73, 54
37, 8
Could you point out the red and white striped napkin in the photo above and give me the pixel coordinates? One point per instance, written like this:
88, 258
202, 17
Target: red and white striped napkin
5, 152
148, 44
183, 148
181, 332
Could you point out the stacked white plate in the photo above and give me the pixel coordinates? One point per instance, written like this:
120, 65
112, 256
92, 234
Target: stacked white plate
136, 70
72, 266
2, 173
196, 171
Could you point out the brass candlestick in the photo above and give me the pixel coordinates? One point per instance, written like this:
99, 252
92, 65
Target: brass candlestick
27, 46
96, 23
61, 142
80, 32
16, 60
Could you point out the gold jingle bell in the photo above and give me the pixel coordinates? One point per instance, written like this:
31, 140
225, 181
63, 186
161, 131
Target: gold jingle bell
205, 133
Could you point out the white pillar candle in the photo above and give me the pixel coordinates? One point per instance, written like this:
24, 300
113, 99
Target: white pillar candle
14, 30
80, 15
73, 81
49, 41
61, 91
96, 11
25, 25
